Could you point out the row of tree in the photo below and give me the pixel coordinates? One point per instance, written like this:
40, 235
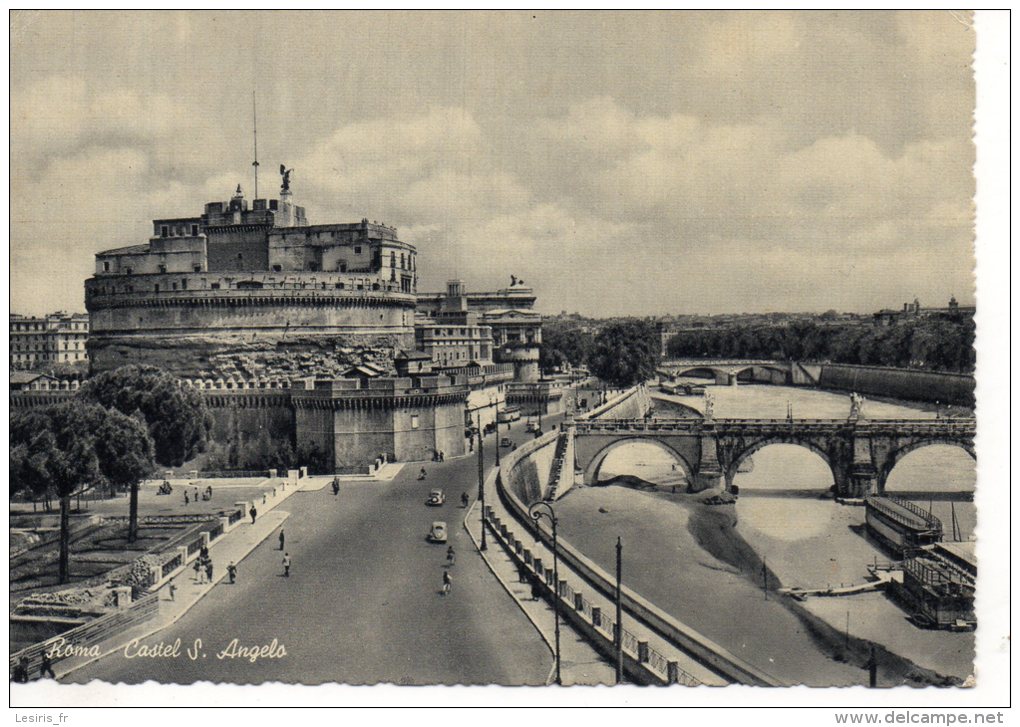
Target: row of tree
113, 434
933, 343
622, 353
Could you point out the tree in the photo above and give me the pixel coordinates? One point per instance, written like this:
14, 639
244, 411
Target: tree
177, 417
125, 452
58, 445
625, 353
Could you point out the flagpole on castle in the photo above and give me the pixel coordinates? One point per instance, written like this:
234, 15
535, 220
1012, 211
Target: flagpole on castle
255, 138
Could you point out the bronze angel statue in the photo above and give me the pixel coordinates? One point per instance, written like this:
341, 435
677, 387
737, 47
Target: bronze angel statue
285, 173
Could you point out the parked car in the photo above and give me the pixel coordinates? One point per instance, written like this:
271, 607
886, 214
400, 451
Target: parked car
435, 498
437, 533
532, 426
505, 442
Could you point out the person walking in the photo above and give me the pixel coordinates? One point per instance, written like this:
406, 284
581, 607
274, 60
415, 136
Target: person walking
450, 556
198, 570
46, 667
209, 570
172, 589
286, 565
447, 582
232, 572
282, 538
186, 500
464, 499
20, 672
336, 487
253, 512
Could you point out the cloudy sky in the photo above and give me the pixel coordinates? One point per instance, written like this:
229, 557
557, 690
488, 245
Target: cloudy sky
641, 163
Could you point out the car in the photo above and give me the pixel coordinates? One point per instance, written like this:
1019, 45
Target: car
532, 426
437, 533
435, 498
505, 442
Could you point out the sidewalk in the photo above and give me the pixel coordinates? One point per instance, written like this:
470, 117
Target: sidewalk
581, 663
641, 632
233, 546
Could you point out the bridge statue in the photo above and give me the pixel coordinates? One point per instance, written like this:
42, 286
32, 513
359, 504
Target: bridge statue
709, 407
856, 406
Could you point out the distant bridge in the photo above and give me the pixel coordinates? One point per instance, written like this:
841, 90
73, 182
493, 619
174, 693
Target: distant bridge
726, 371
860, 452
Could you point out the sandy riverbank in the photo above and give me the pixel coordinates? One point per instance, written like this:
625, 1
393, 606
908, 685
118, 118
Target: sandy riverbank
696, 564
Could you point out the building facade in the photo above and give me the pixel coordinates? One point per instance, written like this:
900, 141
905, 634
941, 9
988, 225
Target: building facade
58, 338
515, 330
255, 280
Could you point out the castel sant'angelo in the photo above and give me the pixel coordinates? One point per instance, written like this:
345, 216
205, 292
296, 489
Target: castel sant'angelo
301, 329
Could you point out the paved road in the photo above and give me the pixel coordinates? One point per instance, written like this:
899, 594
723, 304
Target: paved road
362, 604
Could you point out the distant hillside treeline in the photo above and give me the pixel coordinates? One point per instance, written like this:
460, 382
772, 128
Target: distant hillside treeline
935, 343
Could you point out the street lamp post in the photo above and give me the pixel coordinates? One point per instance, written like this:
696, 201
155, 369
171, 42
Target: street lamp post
496, 422
536, 512
481, 482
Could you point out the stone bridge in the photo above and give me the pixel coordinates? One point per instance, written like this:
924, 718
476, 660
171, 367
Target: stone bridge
860, 452
727, 371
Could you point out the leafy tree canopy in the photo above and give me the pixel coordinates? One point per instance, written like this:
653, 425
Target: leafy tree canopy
177, 418
625, 353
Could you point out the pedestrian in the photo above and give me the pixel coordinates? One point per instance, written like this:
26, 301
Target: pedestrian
46, 667
336, 486
447, 582
253, 512
196, 494
208, 491
450, 555
536, 589
198, 570
281, 539
232, 571
209, 570
172, 588
522, 574
263, 498
20, 673
442, 456
286, 565
186, 500
464, 499
203, 554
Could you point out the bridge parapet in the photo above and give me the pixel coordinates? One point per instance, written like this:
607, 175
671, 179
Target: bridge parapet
860, 452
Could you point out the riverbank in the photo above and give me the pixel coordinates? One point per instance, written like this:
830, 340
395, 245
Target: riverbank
693, 561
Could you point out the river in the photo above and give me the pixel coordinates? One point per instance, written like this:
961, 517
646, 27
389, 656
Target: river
810, 541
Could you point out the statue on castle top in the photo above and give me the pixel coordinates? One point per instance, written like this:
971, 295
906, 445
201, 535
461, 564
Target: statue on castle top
285, 173
856, 405
513, 280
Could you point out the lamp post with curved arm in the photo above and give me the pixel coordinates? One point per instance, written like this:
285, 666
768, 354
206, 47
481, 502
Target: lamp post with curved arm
536, 511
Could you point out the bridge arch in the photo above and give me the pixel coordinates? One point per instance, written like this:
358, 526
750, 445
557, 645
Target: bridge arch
740, 456
591, 472
711, 371
894, 457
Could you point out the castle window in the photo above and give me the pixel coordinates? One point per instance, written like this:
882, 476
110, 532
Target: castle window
127, 271
106, 267
194, 230
179, 230
184, 283
414, 421
393, 259
343, 266
402, 261
339, 286
277, 268
215, 286
240, 256
162, 268
164, 231
157, 287
197, 268
357, 249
